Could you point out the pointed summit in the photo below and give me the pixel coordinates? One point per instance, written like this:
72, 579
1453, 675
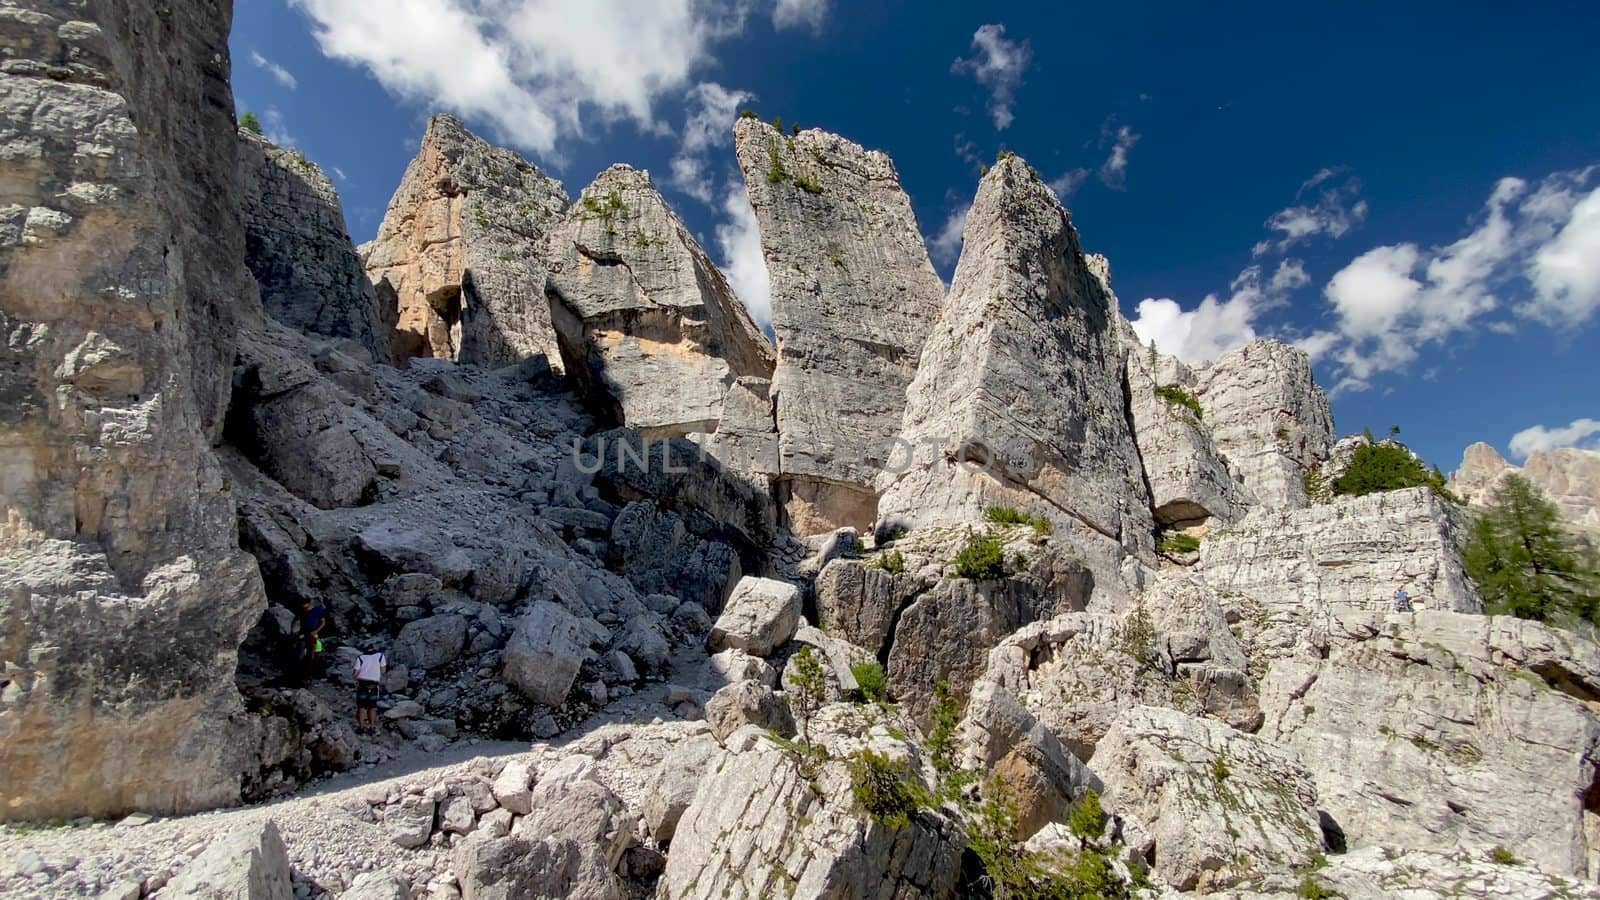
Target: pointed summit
853, 297
646, 320
1018, 400
458, 252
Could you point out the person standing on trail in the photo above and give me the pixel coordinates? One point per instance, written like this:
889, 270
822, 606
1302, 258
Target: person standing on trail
1402, 600
313, 618
369, 669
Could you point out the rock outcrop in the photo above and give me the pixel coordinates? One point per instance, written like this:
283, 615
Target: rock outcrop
853, 298
123, 291
645, 318
298, 249
758, 827
1268, 418
1214, 806
459, 252
1350, 554
1568, 476
248, 864
1018, 399
1434, 730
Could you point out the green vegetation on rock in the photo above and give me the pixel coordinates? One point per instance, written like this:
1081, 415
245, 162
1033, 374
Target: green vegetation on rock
1526, 564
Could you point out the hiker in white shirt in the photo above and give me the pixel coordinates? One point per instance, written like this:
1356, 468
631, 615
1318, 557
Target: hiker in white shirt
369, 669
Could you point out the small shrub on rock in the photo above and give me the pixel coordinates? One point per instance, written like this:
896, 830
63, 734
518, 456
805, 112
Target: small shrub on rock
892, 561
884, 788
1088, 818
1004, 515
1178, 395
982, 558
1178, 543
874, 684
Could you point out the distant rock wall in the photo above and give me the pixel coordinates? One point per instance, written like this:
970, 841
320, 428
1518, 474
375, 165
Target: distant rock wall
854, 295
297, 247
123, 292
1268, 419
458, 252
1568, 476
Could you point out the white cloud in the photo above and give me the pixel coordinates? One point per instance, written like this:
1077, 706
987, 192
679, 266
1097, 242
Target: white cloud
1392, 301
1338, 209
997, 64
945, 247
1067, 183
800, 14
534, 71
340, 173
1217, 325
273, 128
1115, 171
1566, 271
739, 240
708, 123
279, 73
1581, 433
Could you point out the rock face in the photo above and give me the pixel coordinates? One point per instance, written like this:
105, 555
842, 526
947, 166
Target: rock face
761, 615
122, 293
1350, 554
853, 297
1430, 730
757, 828
458, 253
1189, 481
1018, 399
1000, 736
1217, 807
298, 249
644, 317
1268, 418
1568, 476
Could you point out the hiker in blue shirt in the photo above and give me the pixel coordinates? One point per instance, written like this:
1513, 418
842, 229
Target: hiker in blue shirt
313, 617
1402, 601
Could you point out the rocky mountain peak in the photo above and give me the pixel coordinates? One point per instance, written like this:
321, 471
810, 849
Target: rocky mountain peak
854, 295
458, 254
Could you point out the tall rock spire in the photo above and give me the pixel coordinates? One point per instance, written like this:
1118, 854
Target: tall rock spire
646, 320
458, 253
853, 297
1018, 400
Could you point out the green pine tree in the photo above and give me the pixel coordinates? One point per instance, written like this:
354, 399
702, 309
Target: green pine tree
1526, 564
250, 123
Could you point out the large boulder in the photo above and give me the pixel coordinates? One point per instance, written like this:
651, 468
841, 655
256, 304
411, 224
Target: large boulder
431, 642
760, 616
545, 651
760, 827
299, 250
458, 252
1212, 806
648, 323
747, 703
853, 298
248, 863
1000, 737
1018, 398
1433, 730
1268, 418
123, 298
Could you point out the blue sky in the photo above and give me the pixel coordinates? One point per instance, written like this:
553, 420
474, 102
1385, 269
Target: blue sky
1404, 188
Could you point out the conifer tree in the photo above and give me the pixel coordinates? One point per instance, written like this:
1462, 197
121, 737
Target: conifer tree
1526, 564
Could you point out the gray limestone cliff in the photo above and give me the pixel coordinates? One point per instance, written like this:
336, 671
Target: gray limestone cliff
123, 291
1018, 399
458, 252
297, 247
853, 298
645, 318
1268, 418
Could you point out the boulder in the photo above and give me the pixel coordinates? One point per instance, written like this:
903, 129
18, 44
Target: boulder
1429, 730
409, 823
248, 863
761, 615
542, 658
657, 551
676, 780
858, 601
1000, 737
736, 665
1212, 806
747, 703
513, 787
759, 827
1018, 401
520, 868
431, 642
458, 254
853, 298
647, 322
380, 884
